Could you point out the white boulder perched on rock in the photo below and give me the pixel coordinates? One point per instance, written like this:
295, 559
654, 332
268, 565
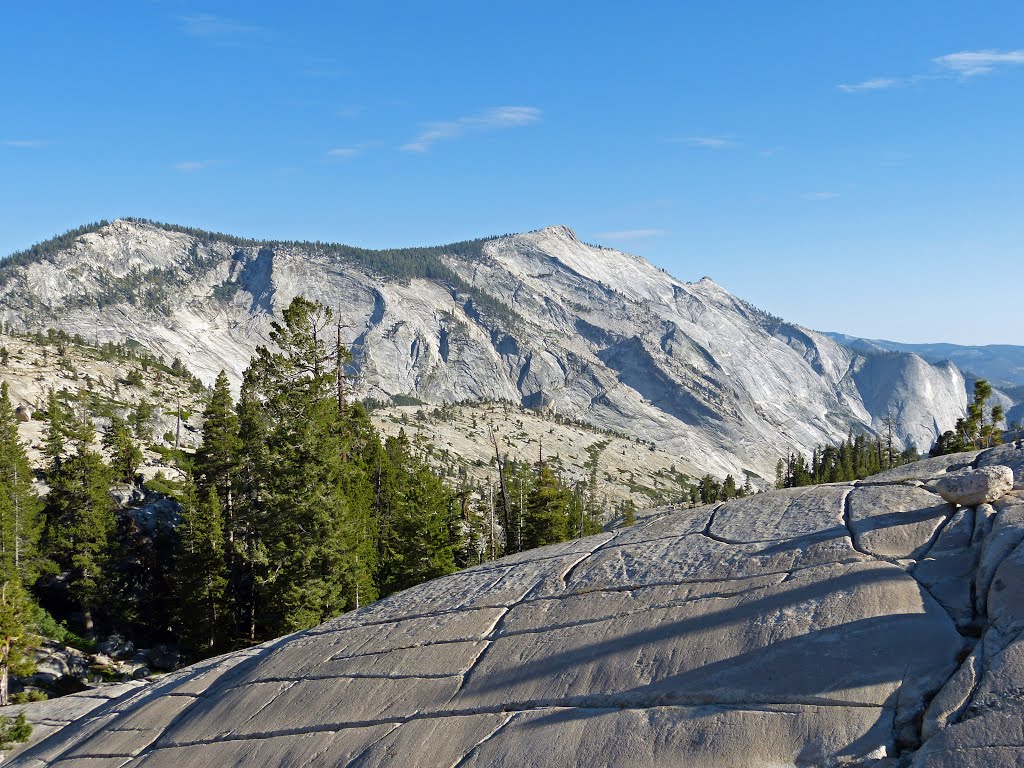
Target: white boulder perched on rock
971, 487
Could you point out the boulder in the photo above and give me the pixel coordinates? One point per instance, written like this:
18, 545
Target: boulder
116, 646
970, 487
56, 662
163, 658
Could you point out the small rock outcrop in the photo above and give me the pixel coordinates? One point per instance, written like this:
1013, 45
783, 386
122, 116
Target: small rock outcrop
970, 487
855, 624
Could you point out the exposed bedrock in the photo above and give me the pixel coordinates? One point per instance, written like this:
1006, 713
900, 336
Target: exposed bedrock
869, 623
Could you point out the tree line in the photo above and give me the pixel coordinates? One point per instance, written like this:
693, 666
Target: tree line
855, 458
980, 428
292, 511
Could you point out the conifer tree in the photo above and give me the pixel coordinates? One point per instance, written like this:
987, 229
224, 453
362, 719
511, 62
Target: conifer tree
201, 571
54, 440
245, 550
361, 453
417, 544
729, 488
217, 458
546, 520
300, 528
19, 534
20, 508
125, 455
17, 614
628, 513
81, 524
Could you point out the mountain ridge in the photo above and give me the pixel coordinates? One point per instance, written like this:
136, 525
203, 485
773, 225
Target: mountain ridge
538, 318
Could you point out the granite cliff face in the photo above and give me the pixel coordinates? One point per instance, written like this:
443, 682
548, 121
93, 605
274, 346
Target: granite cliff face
867, 624
539, 318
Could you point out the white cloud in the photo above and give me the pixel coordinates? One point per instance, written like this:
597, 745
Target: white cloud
708, 142
22, 143
219, 29
491, 119
323, 68
632, 234
821, 195
971, 63
343, 152
875, 84
188, 166
962, 64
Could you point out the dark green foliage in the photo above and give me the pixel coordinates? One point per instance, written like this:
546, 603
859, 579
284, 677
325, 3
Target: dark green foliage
218, 454
20, 508
546, 519
19, 535
125, 455
415, 518
201, 570
54, 441
44, 251
856, 458
299, 523
628, 513
81, 525
979, 429
14, 731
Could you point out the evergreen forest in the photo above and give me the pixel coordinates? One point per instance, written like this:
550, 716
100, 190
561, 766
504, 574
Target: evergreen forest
293, 510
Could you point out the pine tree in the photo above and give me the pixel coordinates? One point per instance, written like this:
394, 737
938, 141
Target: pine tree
299, 531
361, 452
125, 455
417, 544
17, 617
54, 441
628, 513
729, 488
81, 524
201, 570
546, 520
20, 508
217, 458
218, 469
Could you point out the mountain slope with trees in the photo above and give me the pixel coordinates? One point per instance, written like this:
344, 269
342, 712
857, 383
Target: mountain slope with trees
539, 319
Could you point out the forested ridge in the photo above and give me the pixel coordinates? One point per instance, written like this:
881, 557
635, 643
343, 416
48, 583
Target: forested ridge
292, 510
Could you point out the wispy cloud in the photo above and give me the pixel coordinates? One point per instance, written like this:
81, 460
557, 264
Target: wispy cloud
220, 30
491, 119
22, 143
973, 63
341, 153
960, 65
707, 142
824, 195
632, 234
191, 166
326, 69
874, 84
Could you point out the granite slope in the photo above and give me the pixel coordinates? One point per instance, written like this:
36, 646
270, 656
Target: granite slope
539, 318
868, 623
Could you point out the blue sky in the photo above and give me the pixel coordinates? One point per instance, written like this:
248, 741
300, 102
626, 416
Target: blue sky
852, 166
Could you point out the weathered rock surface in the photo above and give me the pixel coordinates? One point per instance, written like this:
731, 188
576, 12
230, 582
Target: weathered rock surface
970, 487
844, 625
540, 318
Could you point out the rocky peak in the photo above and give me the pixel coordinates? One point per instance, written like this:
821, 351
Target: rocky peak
539, 318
